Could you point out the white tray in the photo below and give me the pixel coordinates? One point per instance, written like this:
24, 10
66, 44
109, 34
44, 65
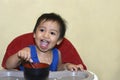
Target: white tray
58, 75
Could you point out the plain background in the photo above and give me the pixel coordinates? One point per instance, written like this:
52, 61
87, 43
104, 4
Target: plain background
93, 28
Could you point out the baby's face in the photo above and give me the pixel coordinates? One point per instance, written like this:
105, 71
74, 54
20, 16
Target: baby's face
47, 35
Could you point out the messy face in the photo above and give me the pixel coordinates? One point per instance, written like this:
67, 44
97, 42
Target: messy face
47, 35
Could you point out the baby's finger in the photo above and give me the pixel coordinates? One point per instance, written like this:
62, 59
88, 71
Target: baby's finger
31, 60
80, 67
27, 56
19, 54
74, 68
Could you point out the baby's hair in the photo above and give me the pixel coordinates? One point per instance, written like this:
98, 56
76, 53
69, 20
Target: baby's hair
53, 17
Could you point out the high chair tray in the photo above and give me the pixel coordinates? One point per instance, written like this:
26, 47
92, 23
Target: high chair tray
57, 75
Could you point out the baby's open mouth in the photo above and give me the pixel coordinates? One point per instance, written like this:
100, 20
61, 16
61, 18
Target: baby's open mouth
44, 43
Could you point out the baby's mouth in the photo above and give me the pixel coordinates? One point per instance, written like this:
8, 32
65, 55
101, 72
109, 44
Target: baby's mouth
44, 43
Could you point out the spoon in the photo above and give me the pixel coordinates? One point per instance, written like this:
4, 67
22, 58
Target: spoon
33, 66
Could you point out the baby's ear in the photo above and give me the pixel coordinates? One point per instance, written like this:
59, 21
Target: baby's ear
59, 41
34, 35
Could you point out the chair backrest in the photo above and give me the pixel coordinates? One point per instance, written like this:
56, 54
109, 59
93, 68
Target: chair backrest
68, 52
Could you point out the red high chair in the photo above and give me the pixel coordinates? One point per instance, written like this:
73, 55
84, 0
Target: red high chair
68, 52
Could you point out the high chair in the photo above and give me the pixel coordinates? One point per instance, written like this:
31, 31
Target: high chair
68, 52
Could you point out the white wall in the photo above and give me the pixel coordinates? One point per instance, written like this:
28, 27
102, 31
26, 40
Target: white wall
93, 28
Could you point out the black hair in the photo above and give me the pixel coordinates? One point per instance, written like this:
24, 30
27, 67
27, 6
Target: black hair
53, 17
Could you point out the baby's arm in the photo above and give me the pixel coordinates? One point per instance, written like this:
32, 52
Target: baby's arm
16, 59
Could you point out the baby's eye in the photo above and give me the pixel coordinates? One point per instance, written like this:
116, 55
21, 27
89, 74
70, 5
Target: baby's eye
53, 33
42, 30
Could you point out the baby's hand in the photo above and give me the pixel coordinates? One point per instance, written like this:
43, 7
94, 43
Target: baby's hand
80, 67
73, 67
24, 54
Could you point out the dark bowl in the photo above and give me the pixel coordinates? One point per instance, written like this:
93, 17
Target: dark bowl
36, 71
